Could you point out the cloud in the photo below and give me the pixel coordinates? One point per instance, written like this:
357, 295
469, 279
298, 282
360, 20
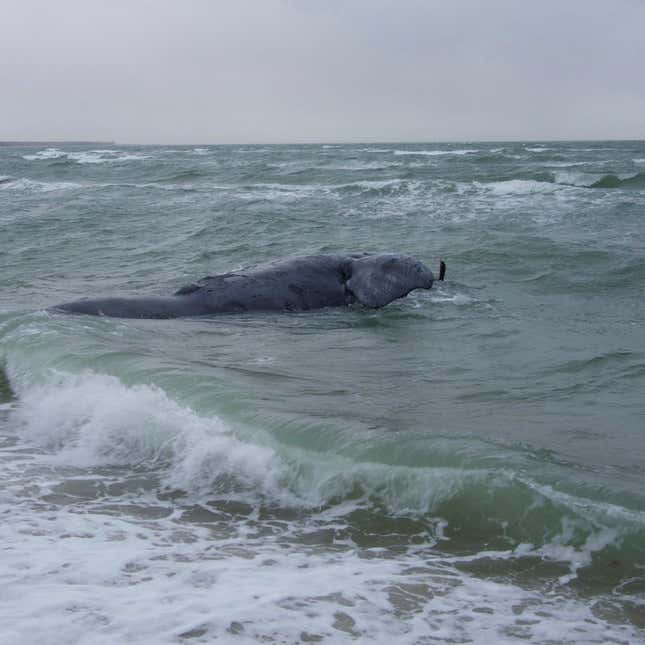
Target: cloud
271, 70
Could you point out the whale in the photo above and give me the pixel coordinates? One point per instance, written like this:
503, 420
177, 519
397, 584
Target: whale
296, 284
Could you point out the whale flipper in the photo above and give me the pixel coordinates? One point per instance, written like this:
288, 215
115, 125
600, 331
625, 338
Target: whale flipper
376, 280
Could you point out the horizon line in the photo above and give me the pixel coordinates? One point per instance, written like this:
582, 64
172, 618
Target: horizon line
113, 142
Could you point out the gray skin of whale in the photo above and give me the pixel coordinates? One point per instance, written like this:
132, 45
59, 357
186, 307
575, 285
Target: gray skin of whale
296, 284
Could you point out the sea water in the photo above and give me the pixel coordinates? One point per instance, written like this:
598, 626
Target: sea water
466, 464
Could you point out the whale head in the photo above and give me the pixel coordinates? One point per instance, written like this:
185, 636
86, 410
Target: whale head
376, 280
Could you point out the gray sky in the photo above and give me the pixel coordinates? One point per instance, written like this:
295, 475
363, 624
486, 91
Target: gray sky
210, 71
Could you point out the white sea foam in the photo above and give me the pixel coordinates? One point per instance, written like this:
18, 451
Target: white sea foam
459, 299
518, 187
639, 161
48, 153
93, 419
280, 192
587, 179
119, 574
105, 156
364, 165
120, 561
565, 164
436, 153
88, 156
379, 184
30, 185
572, 178
537, 149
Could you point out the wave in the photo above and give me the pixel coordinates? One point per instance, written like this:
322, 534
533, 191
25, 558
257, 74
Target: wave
87, 157
269, 574
436, 153
636, 181
565, 164
30, 185
608, 180
379, 188
270, 191
106, 156
48, 153
518, 187
562, 179
275, 191
184, 175
94, 419
89, 419
362, 165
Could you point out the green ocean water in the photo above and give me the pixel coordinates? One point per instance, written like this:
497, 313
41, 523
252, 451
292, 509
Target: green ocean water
464, 465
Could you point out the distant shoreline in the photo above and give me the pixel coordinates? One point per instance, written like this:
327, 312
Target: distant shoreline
53, 143
56, 143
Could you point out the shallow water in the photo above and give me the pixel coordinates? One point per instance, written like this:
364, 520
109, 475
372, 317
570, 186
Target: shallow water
464, 465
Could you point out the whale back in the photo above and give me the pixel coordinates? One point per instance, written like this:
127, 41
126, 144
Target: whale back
376, 280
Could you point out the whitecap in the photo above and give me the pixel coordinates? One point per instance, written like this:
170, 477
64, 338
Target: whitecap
518, 187
565, 164
48, 153
588, 179
276, 191
569, 178
29, 185
394, 185
105, 156
364, 165
93, 419
436, 153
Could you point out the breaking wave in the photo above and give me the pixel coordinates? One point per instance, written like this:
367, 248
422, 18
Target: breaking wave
87, 157
551, 182
89, 419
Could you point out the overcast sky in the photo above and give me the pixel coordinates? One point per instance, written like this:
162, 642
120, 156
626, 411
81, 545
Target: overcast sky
211, 71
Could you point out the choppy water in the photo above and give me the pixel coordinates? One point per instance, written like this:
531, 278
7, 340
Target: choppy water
465, 465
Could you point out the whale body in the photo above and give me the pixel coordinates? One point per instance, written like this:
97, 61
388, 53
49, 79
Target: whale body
296, 284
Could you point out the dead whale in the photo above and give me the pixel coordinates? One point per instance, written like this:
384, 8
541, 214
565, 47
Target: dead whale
296, 284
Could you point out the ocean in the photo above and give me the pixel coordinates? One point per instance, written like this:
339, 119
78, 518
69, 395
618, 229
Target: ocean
465, 465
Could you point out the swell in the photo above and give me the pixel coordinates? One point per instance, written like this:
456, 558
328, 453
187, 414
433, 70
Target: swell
545, 180
636, 181
184, 175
